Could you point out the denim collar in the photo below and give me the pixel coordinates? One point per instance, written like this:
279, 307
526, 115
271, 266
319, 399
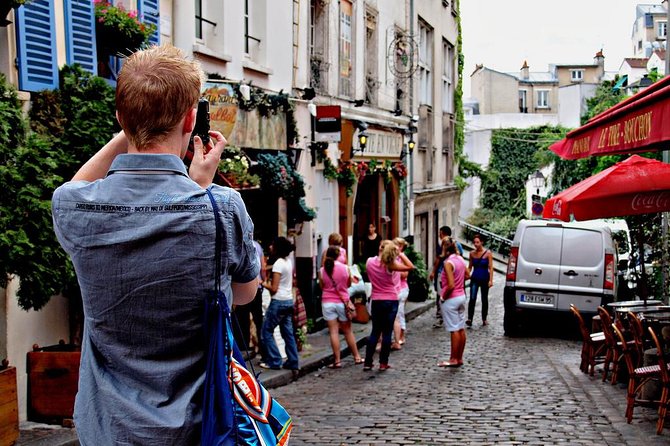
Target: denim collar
161, 162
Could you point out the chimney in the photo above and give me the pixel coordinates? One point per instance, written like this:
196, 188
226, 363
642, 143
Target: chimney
599, 59
525, 71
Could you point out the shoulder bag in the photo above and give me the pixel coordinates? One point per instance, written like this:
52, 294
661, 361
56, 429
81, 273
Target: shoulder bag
237, 409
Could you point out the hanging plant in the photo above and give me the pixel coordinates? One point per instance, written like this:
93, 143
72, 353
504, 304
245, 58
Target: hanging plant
119, 31
329, 169
279, 178
234, 165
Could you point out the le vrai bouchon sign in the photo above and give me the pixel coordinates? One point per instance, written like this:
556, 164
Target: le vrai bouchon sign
243, 128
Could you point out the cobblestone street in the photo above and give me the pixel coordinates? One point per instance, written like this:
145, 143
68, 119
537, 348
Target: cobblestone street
510, 391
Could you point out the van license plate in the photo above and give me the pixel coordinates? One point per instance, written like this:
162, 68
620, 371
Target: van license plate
537, 299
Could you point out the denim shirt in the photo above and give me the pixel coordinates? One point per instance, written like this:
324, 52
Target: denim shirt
142, 244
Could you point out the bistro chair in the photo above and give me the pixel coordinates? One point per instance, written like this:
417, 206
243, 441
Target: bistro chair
635, 326
664, 373
637, 377
613, 353
593, 345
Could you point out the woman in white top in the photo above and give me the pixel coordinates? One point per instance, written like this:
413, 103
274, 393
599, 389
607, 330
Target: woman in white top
280, 311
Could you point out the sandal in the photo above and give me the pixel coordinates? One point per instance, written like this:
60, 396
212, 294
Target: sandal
335, 365
449, 364
396, 346
358, 361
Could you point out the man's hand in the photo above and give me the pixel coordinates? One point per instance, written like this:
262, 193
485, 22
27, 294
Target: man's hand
206, 158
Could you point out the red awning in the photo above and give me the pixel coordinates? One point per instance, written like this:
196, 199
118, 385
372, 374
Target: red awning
638, 124
635, 186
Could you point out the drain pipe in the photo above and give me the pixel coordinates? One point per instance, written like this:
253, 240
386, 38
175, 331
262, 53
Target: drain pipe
410, 177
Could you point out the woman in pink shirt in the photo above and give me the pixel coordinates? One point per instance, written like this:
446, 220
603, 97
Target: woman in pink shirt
384, 274
399, 327
335, 279
452, 303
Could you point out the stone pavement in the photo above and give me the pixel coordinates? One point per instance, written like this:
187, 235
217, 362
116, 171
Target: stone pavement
526, 390
316, 354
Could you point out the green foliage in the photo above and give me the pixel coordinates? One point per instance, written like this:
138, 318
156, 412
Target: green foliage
512, 161
28, 174
502, 225
69, 125
419, 286
280, 179
604, 98
465, 168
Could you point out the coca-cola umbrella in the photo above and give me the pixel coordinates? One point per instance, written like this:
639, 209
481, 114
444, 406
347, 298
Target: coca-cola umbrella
632, 187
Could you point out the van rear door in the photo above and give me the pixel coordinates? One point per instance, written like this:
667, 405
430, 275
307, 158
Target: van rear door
538, 266
581, 269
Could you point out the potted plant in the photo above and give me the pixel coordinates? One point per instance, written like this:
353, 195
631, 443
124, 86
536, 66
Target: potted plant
119, 31
234, 165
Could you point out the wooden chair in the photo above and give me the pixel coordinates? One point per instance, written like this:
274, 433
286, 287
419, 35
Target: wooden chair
635, 326
613, 350
637, 377
664, 372
593, 345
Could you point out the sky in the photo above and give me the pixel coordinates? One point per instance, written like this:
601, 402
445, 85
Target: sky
502, 34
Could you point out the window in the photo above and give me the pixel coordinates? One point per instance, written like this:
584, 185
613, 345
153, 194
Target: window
345, 48
318, 38
371, 81
543, 99
662, 30
425, 64
447, 77
36, 46
576, 75
254, 30
523, 101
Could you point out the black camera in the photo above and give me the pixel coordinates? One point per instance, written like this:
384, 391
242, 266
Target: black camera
201, 128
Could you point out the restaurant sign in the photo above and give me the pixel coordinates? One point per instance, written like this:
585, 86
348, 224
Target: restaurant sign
243, 128
638, 127
383, 144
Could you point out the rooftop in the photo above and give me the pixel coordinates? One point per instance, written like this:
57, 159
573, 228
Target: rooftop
636, 62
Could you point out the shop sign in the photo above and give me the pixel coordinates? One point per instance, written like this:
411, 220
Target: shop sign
243, 128
383, 144
328, 123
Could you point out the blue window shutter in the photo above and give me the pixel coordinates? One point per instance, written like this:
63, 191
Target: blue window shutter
150, 12
36, 46
80, 34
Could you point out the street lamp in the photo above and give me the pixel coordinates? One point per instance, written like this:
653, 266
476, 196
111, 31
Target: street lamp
537, 181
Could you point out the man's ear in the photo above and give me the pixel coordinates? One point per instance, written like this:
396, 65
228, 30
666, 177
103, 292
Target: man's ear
189, 121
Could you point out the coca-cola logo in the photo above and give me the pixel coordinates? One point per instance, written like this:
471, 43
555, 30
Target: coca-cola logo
556, 210
650, 202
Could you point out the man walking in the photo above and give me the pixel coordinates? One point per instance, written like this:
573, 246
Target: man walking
141, 234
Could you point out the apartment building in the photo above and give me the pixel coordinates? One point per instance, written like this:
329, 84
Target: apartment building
650, 29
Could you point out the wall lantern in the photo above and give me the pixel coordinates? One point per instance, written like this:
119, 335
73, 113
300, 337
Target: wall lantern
537, 181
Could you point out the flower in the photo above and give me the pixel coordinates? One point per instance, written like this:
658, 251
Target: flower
118, 30
235, 167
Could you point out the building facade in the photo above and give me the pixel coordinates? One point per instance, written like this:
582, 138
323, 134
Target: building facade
561, 90
650, 29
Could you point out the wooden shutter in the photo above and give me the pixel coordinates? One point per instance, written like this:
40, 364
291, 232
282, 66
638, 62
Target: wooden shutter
36, 46
150, 13
80, 34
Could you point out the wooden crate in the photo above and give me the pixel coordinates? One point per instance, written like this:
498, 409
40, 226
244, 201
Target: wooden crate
53, 379
9, 407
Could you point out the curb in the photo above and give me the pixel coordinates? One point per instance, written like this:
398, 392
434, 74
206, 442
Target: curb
278, 378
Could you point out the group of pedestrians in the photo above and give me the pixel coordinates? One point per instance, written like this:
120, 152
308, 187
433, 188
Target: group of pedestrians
452, 272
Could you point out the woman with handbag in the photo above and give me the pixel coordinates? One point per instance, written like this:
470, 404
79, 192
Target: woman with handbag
336, 307
384, 274
452, 302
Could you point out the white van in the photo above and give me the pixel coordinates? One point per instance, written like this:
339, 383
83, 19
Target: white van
554, 264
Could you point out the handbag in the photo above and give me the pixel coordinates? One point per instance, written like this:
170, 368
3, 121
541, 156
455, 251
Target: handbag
349, 308
237, 409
